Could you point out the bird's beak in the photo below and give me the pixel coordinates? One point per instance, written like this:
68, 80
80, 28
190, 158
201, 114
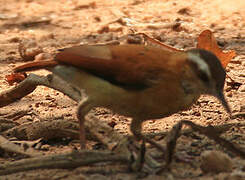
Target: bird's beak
221, 98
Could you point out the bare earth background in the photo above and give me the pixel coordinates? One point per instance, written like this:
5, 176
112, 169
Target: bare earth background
62, 23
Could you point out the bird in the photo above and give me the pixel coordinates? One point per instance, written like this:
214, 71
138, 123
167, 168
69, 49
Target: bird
135, 80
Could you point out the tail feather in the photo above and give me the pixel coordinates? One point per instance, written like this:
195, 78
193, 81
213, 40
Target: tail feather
35, 65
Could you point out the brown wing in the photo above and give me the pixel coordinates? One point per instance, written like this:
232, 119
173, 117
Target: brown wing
131, 65
123, 64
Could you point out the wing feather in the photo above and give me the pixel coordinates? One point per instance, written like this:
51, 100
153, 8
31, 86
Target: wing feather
137, 65
129, 65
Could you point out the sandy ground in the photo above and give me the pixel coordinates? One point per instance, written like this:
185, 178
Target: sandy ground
62, 23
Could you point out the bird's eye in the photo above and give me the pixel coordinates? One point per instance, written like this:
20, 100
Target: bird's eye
203, 76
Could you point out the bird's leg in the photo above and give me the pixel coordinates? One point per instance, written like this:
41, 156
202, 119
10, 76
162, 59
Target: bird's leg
138, 163
82, 110
136, 128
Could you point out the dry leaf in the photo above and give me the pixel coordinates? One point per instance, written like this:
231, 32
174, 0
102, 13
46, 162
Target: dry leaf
207, 41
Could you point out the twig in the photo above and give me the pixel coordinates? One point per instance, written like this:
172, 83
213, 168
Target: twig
210, 131
21, 90
44, 129
63, 161
31, 82
238, 114
11, 147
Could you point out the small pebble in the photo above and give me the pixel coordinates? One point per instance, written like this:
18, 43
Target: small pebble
134, 39
43, 56
28, 49
46, 37
215, 162
14, 39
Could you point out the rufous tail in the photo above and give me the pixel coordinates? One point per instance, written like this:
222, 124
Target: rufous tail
31, 66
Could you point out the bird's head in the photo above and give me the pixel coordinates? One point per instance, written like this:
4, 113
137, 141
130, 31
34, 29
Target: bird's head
210, 74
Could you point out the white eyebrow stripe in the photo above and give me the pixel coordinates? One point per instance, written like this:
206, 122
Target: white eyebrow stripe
201, 64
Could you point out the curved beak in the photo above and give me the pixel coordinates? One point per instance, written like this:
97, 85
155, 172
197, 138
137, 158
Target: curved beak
221, 98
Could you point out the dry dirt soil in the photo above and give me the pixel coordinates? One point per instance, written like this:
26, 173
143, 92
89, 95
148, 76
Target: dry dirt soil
65, 23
